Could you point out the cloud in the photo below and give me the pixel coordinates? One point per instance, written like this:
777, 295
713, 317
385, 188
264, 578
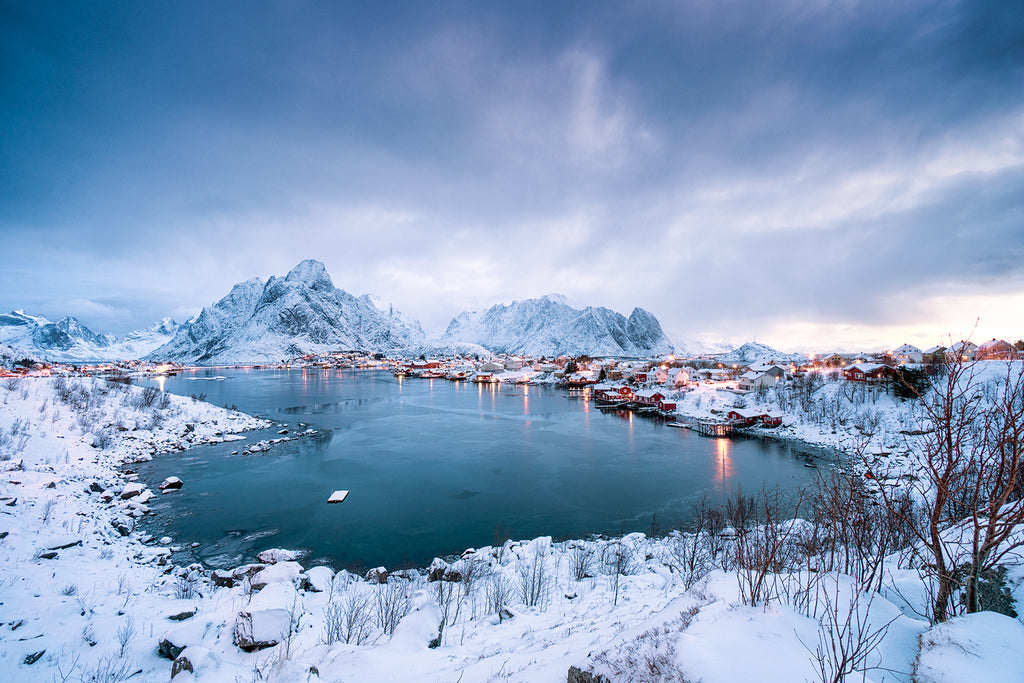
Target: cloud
782, 169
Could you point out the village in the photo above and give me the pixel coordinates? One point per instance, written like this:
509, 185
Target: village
651, 387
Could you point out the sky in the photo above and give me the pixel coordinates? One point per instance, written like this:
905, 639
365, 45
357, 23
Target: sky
813, 175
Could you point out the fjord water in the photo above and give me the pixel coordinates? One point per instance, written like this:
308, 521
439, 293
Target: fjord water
435, 467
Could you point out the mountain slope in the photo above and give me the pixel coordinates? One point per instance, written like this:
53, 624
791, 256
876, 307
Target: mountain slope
289, 316
753, 352
68, 340
550, 327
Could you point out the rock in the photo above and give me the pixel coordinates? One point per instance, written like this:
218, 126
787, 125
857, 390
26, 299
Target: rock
282, 572
51, 555
267, 619
34, 657
62, 543
170, 484
50, 485
338, 497
95, 488
437, 569
319, 579
107, 495
222, 578
377, 575
181, 663
169, 650
247, 571
122, 529
194, 659
132, 490
580, 676
177, 639
165, 540
182, 616
275, 555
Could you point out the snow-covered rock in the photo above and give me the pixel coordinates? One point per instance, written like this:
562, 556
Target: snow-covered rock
275, 555
982, 648
550, 327
319, 579
281, 572
285, 317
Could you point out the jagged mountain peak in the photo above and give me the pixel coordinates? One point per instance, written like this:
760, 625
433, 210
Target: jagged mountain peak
311, 273
549, 326
302, 312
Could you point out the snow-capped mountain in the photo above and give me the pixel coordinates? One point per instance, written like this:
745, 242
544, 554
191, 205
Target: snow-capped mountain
548, 326
289, 316
69, 340
752, 352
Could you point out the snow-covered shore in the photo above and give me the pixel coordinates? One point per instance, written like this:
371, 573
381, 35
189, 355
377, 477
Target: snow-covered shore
109, 603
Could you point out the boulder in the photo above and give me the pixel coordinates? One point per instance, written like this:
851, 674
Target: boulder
174, 641
319, 579
275, 555
132, 490
223, 578
282, 572
267, 619
195, 660
437, 570
170, 484
377, 575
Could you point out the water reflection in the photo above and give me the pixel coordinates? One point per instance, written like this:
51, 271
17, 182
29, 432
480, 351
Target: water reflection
724, 469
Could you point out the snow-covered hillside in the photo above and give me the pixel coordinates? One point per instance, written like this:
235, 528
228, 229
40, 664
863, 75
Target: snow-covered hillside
289, 316
753, 352
69, 340
550, 327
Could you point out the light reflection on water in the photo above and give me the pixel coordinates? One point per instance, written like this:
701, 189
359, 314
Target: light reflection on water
433, 468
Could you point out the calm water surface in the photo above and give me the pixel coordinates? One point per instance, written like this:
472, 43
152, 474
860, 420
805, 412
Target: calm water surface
435, 467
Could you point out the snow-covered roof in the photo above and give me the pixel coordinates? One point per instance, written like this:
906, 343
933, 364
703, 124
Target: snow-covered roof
906, 348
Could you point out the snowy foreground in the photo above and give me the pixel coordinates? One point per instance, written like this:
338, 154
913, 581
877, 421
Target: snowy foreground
84, 596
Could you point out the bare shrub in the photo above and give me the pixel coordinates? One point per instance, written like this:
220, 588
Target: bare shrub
846, 642
347, 617
533, 576
70, 590
761, 551
185, 588
581, 561
650, 657
497, 592
617, 561
391, 601
111, 668
125, 636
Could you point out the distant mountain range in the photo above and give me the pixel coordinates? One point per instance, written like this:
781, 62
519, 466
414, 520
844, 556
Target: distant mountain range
550, 327
303, 312
70, 340
752, 352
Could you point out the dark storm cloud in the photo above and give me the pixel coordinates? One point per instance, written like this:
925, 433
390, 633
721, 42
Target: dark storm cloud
829, 156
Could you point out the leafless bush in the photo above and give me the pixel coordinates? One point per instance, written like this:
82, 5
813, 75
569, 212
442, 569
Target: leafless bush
761, 551
111, 668
497, 592
70, 590
125, 636
392, 604
846, 642
581, 561
185, 588
617, 561
533, 576
347, 618
651, 657
12, 383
